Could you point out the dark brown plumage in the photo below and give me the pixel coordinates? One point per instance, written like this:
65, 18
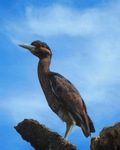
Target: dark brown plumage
62, 97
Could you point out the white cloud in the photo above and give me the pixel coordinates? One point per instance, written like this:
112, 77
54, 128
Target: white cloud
57, 20
15, 109
26, 106
61, 20
19, 107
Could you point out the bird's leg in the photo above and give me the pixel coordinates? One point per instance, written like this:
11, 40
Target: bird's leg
69, 126
69, 129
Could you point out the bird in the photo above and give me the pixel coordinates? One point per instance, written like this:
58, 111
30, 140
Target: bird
62, 96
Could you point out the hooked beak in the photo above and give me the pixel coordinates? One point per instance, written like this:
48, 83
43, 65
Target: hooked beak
28, 46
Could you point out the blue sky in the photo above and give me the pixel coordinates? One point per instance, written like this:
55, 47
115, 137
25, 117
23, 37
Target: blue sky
85, 39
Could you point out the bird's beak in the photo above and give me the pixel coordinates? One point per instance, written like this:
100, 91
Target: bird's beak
28, 46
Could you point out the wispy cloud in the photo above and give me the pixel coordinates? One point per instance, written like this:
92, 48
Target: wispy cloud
19, 107
60, 20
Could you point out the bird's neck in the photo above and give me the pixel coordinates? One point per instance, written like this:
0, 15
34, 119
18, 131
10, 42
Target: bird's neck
43, 65
43, 72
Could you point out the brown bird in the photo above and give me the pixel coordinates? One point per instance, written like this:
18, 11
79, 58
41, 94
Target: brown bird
62, 96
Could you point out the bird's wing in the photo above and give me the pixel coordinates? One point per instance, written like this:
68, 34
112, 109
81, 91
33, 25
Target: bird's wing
70, 98
68, 95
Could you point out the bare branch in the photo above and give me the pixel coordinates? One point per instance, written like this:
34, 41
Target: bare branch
109, 139
41, 137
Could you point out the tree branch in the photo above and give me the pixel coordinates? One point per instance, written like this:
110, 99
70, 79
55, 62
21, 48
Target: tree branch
41, 137
109, 139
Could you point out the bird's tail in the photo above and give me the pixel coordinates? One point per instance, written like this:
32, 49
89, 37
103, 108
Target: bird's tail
91, 125
87, 126
85, 122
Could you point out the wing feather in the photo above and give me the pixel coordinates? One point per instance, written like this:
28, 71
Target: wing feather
69, 96
71, 100
67, 93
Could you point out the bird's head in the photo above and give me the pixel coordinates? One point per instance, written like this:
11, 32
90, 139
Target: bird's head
38, 48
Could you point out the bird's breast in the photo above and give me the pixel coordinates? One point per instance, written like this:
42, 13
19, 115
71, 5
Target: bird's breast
50, 97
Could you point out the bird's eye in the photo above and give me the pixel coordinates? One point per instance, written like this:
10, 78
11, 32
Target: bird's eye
40, 45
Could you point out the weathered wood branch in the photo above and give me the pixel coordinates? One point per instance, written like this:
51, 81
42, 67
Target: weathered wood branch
109, 139
41, 137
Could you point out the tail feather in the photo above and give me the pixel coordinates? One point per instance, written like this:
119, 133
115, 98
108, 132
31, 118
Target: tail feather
84, 121
85, 131
87, 126
91, 125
